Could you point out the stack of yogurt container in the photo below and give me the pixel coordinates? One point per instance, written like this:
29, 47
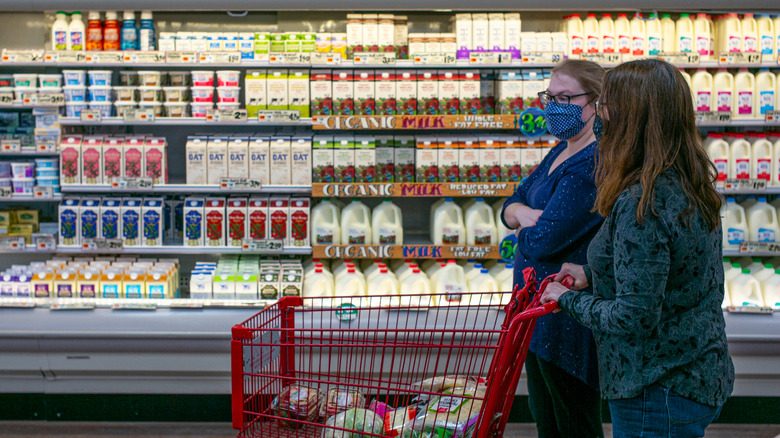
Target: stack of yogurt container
97, 96
28, 83
47, 173
23, 176
168, 93
227, 91
23, 180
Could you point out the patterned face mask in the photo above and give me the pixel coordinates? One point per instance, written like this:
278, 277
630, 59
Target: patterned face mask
598, 128
564, 122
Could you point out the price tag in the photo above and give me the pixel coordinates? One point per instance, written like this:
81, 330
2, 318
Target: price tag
434, 59
755, 310
239, 184
76, 305
713, 117
101, 244
185, 304
44, 242
91, 116
71, 57
181, 57
219, 57
139, 115
18, 304
105, 57
276, 116
5, 192
239, 115
12, 243
265, 245
290, 58
47, 146
134, 306
373, 58
6, 98
22, 56
51, 99
745, 184
731, 58
681, 58
329, 59
129, 183
542, 57
11, 146
772, 117
490, 58
43, 192
603, 58
144, 57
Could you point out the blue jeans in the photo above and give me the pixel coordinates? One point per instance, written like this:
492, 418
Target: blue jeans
660, 412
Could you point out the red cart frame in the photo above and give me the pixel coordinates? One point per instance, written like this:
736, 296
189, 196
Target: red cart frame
383, 348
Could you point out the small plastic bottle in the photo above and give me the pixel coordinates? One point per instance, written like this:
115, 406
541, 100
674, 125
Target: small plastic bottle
111, 32
129, 32
59, 32
76, 32
94, 31
147, 39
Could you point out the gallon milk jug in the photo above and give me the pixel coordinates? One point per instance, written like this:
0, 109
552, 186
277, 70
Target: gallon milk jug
731, 35
735, 226
702, 33
712, 35
655, 36
732, 272
726, 296
718, 151
701, 87
776, 166
607, 34
451, 284
326, 227
745, 94
592, 34
472, 270
387, 224
776, 25
356, 224
771, 289
684, 34
505, 280
447, 227
668, 30
744, 290
503, 231
430, 266
433, 274
749, 202
766, 271
766, 35
319, 284
406, 270
687, 78
484, 282
623, 34
416, 283
638, 37
385, 285
351, 284
575, 34
723, 85
373, 269
761, 159
749, 34
762, 222
766, 91
481, 224
755, 264
740, 158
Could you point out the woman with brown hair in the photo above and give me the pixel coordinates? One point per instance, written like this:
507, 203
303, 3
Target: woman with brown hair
655, 265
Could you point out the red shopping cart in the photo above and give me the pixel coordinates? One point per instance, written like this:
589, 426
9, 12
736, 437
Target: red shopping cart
383, 367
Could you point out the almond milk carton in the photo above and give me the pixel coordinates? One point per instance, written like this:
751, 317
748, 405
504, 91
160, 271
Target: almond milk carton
384, 92
70, 234
70, 159
300, 221
469, 159
238, 157
217, 151
344, 159
385, 167
468, 92
365, 159
404, 158
216, 221
343, 93
256, 92
427, 92
301, 152
113, 159
197, 160
406, 92
322, 158
277, 86
448, 159
281, 164
511, 169
364, 93
427, 159
238, 221
194, 222
153, 226
259, 159
257, 213
321, 93
449, 92
298, 91
279, 219
156, 163
92, 160
134, 156
489, 160
131, 222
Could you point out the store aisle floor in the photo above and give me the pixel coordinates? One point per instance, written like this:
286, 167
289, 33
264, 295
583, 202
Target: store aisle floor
13, 429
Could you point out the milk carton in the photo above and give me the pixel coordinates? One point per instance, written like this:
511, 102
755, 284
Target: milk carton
384, 92
370, 26
449, 92
238, 221
512, 42
469, 159
489, 160
510, 92
110, 212
280, 161
113, 159
279, 219
298, 91
152, 214
427, 160
268, 286
194, 222
301, 151
365, 159
404, 159
511, 168
259, 159
291, 284
463, 34
322, 159
238, 157
278, 92
344, 159
257, 213
487, 92
156, 162
321, 93
480, 32
385, 167
530, 157
197, 160
300, 221
354, 34
406, 92
448, 159
70, 159
70, 223
131, 222
216, 222
401, 37
533, 84
364, 93
134, 157
468, 92
255, 92
217, 151
496, 37
92, 160
343, 93
427, 92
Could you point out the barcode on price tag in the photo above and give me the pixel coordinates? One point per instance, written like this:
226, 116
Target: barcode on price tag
239, 184
219, 57
139, 115
51, 99
91, 116
542, 57
128, 183
773, 117
374, 58
12, 243
329, 59
745, 184
43, 192
264, 245
278, 115
239, 115
713, 116
290, 58
488, 58
731, 58
181, 57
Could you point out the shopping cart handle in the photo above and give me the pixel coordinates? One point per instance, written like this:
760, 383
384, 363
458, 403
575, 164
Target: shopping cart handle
568, 281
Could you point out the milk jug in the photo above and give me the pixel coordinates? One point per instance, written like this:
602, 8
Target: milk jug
607, 34
766, 91
472, 270
761, 160
668, 30
744, 290
385, 285
731, 34
451, 283
414, 284
319, 284
749, 34
776, 25
701, 87
684, 34
723, 85
726, 300
592, 34
762, 222
503, 231
766, 271
746, 204
505, 279
623, 34
771, 289
687, 78
734, 223
374, 269
638, 37
351, 284
718, 151
655, 37
387, 224
740, 167
766, 35
745, 93
575, 33
447, 227
732, 272
776, 164
356, 224
481, 224
326, 227
484, 282
702, 33
406, 270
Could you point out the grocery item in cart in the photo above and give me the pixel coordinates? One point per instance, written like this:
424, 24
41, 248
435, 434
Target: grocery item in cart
341, 399
358, 420
297, 402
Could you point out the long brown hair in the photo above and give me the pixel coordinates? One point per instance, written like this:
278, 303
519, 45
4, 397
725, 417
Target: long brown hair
589, 75
651, 128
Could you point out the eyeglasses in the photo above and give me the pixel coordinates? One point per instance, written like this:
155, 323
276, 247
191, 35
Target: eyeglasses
560, 99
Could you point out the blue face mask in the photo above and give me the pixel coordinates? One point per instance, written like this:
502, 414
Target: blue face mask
598, 128
564, 122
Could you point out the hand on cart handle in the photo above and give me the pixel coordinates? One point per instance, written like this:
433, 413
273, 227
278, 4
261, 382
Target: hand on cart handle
553, 290
577, 274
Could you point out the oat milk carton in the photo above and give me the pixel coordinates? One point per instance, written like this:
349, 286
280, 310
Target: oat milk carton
197, 160
259, 159
301, 152
238, 157
281, 164
217, 151
322, 159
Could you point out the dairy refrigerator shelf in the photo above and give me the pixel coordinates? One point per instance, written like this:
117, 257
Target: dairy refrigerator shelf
166, 249
55, 198
186, 189
176, 121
